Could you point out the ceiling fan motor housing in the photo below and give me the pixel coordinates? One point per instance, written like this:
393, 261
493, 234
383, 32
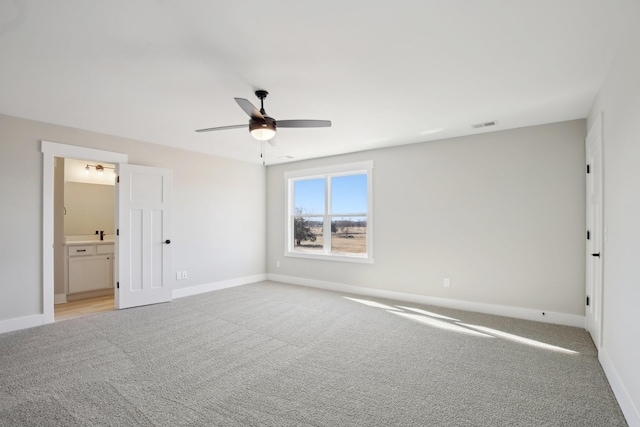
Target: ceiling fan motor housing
268, 122
263, 129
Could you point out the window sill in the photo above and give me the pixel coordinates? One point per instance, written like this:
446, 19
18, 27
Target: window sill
325, 257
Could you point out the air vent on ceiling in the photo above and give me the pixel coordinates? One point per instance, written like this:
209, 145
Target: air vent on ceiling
484, 125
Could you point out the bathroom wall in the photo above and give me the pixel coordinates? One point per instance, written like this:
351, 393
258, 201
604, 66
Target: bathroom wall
88, 207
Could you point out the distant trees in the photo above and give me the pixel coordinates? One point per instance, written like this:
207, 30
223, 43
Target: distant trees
346, 227
309, 228
302, 229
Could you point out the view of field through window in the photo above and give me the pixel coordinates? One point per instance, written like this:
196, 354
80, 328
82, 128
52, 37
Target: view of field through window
344, 205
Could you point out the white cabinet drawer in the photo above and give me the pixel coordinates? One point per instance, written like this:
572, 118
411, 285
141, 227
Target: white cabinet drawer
105, 249
82, 250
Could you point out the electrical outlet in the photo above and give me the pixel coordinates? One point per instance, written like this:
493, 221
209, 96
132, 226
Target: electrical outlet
278, 264
446, 282
178, 275
184, 274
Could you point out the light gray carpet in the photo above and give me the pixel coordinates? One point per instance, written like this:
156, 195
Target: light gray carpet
270, 354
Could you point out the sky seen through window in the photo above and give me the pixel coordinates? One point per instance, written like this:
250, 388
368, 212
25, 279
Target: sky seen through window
348, 195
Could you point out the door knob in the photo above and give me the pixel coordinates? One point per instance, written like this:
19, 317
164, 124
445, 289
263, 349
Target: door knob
167, 241
598, 254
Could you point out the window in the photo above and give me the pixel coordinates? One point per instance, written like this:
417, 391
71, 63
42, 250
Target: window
329, 213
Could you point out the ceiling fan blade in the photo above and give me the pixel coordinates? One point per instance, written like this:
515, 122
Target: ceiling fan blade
249, 109
275, 141
222, 128
303, 123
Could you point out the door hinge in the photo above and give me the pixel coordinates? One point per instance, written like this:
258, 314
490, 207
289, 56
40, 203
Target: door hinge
588, 169
118, 232
588, 300
588, 235
118, 286
118, 178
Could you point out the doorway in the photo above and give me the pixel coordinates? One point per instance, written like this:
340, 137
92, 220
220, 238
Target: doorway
84, 235
50, 151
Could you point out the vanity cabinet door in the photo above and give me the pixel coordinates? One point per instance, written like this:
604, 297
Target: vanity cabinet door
90, 273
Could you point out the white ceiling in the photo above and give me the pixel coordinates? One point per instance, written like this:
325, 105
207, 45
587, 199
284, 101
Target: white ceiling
385, 73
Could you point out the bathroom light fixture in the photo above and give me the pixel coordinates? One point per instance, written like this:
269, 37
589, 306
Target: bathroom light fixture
99, 168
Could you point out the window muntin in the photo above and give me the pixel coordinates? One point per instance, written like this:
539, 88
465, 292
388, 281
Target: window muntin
329, 213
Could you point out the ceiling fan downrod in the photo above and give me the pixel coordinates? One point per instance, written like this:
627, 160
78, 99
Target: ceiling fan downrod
262, 94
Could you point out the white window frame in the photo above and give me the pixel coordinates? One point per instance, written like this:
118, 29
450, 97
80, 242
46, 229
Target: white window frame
327, 173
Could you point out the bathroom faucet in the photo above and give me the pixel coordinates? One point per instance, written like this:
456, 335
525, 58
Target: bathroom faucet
101, 235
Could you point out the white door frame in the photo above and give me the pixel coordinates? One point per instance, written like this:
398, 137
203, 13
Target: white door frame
49, 151
594, 286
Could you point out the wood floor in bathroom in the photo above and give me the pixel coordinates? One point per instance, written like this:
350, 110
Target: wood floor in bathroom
83, 307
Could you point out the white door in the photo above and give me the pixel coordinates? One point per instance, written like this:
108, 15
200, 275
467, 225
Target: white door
143, 255
595, 233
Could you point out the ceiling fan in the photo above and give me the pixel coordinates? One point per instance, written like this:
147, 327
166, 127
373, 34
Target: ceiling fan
263, 127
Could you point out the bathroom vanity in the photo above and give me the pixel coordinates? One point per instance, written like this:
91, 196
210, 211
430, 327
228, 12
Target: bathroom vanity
89, 266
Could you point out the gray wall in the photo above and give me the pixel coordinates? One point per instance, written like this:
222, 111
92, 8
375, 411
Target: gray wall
218, 210
619, 100
501, 214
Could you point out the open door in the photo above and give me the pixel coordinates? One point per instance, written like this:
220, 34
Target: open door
143, 250
595, 233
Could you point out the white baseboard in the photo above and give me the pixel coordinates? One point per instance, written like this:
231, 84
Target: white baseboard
209, 287
499, 310
18, 323
59, 298
629, 410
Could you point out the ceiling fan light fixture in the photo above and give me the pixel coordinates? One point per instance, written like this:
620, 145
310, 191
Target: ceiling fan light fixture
262, 131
